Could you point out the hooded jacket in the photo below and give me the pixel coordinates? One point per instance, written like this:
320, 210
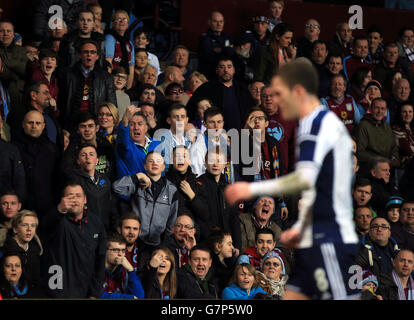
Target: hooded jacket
368, 258
375, 139
157, 215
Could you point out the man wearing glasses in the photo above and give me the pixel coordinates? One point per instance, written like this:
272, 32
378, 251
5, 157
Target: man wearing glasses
311, 34
121, 279
85, 86
377, 248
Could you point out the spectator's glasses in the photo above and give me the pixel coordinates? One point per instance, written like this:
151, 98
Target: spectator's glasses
120, 19
117, 250
184, 227
260, 118
104, 114
312, 26
177, 91
382, 226
274, 264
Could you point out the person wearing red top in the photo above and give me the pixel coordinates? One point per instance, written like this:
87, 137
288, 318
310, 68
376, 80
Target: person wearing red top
283, 131
358, 58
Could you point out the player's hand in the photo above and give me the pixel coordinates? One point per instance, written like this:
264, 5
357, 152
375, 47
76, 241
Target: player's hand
237, 191
156, 260
284, 213
291, 238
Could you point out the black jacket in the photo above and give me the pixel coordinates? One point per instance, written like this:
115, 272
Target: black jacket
404, 238
210, 208
101, 89
370, 256
387, 287
79, 248
106, 156
223, 272
101, 201
30, 258
214, 90
189, 286
12, 175
184, 202
40, 160
150, 284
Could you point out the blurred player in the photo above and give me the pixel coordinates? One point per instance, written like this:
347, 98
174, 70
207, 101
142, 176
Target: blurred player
324, 233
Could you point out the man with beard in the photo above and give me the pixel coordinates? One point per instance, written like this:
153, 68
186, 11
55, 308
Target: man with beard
75, 240
226, 93
243, 59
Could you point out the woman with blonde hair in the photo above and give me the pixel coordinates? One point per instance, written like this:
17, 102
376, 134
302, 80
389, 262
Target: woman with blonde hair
160, 279
108, 119
195, 80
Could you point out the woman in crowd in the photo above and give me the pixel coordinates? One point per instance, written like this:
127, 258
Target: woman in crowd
198, 118
255, 89
359, 80
269, 58
404, 135
13, 283
196, 79
108, 118
160, 280
272, 278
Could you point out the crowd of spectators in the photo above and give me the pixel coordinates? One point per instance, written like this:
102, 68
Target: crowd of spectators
113, 164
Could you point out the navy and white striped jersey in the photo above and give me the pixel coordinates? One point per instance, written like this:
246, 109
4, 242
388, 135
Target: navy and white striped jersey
324, 146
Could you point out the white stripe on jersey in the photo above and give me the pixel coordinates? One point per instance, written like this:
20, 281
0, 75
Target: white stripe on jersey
332, 136
334, 271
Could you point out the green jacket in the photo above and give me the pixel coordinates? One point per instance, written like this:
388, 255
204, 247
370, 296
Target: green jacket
375, 139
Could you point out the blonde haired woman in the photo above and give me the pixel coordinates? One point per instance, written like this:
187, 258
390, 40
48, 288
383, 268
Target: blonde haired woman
108, 119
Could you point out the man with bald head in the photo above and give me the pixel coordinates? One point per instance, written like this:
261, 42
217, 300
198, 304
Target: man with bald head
172, 74
213, 44
39, 156
311, 34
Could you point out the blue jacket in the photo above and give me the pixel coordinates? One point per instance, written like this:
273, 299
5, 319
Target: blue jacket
130, 158
235, 292
131, 286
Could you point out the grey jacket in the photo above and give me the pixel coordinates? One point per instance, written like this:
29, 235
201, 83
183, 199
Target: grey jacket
157, 217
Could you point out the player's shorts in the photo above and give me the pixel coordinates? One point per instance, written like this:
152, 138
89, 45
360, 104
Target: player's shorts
325, 272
